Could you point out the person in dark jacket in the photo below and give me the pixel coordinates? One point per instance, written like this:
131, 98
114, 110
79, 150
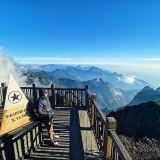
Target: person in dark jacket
44, 109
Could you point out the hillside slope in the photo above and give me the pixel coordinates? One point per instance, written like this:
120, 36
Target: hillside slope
139, 121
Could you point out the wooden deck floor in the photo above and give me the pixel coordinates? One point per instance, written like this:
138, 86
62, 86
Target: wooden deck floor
76, 141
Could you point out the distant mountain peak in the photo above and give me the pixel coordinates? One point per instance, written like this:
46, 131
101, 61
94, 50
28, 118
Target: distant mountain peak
158, 90
99, 80
95, 69
147, 88
145, 95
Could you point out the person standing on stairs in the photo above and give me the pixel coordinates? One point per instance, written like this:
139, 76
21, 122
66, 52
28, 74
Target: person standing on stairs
45, 113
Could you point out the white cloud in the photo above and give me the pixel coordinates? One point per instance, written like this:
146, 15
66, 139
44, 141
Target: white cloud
128, 79
92, 58
148, 59
116, 92
45, 59
7, 65
59, 60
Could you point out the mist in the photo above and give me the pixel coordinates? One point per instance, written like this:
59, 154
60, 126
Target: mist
7, 66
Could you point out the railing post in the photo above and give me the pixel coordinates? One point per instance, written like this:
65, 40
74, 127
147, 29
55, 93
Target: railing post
3, 85
53, 86
87, 101
34, 94
4, 91
111, 126
92, 109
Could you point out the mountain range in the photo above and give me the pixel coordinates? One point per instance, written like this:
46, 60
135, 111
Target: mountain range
88, 73
113, 90
48, 67
108, 96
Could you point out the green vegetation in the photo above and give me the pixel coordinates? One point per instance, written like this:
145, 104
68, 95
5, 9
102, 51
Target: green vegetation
139, 121
155, 158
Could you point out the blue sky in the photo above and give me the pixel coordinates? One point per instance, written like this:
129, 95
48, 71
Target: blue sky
115, 32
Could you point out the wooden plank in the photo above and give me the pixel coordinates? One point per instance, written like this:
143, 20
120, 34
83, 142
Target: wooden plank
89, 143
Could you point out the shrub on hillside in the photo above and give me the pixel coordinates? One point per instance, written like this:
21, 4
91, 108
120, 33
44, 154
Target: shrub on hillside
143, 149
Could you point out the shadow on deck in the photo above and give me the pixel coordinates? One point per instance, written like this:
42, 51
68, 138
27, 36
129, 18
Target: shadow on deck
76, 141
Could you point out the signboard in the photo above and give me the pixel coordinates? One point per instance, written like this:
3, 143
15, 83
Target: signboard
14, 114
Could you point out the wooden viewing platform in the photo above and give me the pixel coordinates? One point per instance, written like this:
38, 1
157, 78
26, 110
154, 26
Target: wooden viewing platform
85, 132
76, 139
